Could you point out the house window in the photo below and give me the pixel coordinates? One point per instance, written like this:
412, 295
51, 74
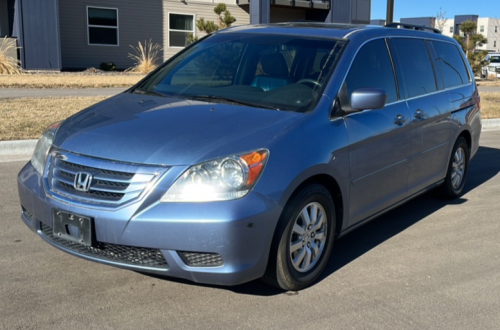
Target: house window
481, 29
451, 29
495, 44
180, 26
496, 29
102, 25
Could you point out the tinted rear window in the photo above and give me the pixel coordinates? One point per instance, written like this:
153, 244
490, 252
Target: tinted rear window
451, 64
416, 66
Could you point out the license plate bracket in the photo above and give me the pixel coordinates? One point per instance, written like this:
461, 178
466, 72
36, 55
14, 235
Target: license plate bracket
72, 227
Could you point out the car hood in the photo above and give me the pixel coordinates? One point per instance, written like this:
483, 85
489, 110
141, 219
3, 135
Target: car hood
168, 131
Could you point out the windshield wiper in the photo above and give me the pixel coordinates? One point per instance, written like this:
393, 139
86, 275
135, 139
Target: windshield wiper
213, 98
146, 92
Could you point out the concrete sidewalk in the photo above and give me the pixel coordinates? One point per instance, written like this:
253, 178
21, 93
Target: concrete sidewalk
35, 92
484, 89
8, 93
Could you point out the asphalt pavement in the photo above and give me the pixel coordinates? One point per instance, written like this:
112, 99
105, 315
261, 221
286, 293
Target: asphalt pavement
430, 264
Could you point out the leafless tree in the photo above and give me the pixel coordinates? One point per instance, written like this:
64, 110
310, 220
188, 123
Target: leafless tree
440, 19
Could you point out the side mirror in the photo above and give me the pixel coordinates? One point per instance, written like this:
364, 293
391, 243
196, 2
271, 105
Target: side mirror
368, 98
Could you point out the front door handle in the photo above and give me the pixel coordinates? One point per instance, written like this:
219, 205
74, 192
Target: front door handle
400, 120
419, 114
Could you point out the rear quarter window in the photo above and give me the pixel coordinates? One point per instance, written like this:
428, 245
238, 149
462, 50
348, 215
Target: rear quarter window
451, 63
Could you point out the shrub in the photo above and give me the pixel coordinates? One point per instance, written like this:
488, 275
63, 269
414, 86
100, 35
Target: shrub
107, 66
8, 65
224, 20
145, 57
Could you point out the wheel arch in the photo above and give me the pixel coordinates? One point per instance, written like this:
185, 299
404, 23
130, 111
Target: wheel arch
333, 188
468, 138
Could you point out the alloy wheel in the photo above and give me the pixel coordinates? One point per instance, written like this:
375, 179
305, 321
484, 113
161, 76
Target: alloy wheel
308, 237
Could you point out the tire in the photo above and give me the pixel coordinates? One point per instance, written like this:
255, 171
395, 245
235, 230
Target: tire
314, 245
456, 175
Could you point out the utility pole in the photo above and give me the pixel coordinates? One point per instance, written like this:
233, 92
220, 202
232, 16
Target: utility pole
390, 12
467, 49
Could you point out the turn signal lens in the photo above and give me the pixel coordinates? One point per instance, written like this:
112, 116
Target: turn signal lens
255, 162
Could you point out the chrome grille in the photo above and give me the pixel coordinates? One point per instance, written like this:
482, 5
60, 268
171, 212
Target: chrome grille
79, 167
113, 184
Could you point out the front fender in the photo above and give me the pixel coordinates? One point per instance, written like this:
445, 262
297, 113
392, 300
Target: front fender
314, 146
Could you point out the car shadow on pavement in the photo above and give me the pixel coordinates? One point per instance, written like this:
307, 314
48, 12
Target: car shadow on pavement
484, 166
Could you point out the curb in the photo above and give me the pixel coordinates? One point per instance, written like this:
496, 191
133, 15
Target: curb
24, 148
17, 148
490, 123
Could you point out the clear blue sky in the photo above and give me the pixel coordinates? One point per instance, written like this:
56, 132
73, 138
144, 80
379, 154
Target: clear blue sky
429, 8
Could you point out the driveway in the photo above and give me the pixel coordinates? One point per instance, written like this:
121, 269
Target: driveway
426, 265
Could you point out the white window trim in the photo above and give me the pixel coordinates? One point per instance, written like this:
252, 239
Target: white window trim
174, 30
117, 27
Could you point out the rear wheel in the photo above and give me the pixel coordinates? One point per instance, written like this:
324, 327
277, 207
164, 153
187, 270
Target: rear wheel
303, 239
456, 175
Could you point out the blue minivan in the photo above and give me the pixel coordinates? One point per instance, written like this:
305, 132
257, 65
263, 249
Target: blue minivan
248, 153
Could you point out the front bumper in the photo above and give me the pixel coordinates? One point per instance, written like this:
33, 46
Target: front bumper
240, 231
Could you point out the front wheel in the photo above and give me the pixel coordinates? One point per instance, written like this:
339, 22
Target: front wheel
456, 175
303, 239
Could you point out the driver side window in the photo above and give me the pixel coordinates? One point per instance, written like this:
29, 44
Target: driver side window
372, 68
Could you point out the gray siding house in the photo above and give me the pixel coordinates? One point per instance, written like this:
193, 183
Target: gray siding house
78, 34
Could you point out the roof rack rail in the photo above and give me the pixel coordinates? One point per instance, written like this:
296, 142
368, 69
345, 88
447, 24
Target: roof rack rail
412, 27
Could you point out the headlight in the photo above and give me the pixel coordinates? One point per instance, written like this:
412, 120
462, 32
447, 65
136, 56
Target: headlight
218, 180
491, 68
43, 146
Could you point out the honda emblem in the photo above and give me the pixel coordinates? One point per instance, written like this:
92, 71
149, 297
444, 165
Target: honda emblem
82, 181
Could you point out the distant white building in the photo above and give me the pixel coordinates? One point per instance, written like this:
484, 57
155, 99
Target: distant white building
490, 28
487, 26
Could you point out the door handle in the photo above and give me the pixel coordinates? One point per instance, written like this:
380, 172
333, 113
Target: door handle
419, 114
400, 120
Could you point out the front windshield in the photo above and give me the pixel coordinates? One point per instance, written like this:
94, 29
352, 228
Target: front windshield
495, 59
279, 72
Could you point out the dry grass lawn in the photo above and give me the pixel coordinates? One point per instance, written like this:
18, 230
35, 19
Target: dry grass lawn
491, 83
26, 118
68, 80
490, 105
